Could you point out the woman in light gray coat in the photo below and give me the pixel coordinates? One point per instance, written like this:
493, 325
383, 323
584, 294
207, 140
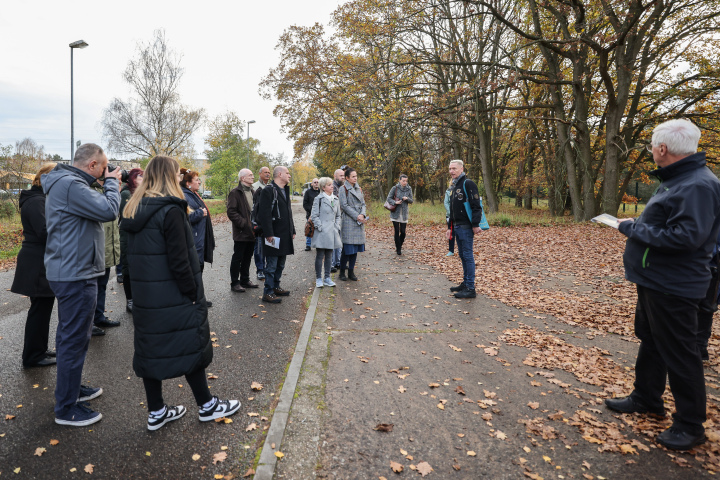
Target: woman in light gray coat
325, 215
401, 195
354, 217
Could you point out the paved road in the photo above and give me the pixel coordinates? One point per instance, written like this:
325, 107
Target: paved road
120, 446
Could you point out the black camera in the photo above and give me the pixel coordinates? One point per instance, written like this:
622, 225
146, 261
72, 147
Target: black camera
123, 173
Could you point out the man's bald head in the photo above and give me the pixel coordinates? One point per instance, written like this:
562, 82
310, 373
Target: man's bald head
339, 175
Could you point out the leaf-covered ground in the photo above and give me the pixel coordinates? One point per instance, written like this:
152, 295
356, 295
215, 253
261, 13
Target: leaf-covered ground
575, 274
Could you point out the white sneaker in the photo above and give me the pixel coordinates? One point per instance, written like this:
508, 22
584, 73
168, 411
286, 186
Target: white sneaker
327, 282
171, 413
449, 254
221, 408
318, 283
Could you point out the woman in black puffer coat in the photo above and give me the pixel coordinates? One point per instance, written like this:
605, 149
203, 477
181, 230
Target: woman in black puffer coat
30, 275
172, 334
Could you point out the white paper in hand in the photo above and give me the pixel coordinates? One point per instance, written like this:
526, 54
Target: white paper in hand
275, 243
606, 219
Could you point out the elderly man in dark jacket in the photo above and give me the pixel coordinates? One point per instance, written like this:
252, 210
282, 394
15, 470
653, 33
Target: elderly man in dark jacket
308, 199
74, 260
239, 210
274, 215
667, 254
465, 216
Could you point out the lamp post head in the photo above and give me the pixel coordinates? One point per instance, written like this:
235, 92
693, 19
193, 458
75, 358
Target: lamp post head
79, 44
250, 121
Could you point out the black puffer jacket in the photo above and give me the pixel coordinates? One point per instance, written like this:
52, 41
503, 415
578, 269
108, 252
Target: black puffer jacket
30, 277
172, 335
670, 244
308, 200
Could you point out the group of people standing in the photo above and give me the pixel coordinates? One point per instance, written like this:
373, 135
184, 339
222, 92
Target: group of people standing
69, 215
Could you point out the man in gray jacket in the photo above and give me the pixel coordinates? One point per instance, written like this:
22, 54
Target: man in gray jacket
74, 260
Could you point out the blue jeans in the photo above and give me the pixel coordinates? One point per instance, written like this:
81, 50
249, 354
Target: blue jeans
307, 241
464, 238
76, 308
101, 296
259, 255
274, 267
336, 257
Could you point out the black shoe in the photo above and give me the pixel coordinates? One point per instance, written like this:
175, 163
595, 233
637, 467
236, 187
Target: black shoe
106, 322
631, 405
466, 293
307, 248
128, 306
249, 284
342, 276
97, 331
281, 293
399, 252
120, 278
261, 275
351, 275
237, 288
676, 439
333, 269
208, 303
271, 298
458, 288
45, 362
50, 353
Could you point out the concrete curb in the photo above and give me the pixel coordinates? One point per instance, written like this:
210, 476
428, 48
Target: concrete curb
266, 465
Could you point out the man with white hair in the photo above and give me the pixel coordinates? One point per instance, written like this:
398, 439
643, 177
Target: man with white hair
667, 254
465, 216
239, 211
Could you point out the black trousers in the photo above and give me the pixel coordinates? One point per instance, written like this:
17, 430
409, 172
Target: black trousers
198, 384
37, 329
399, 233
240, 262
708, 306
667, 328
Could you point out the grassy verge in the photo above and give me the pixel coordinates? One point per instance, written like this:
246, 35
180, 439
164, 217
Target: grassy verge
10, 237
424, 213
216, 206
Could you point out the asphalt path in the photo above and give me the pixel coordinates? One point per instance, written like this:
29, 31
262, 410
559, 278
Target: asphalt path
120, 446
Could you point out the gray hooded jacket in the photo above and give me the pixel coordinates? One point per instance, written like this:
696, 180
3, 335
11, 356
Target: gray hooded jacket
75, 213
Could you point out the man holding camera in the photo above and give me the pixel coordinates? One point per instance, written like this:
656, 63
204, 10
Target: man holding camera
74, 260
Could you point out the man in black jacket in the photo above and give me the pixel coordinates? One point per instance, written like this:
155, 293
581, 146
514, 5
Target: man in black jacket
274, 214
308, 200
667, 254
465, 215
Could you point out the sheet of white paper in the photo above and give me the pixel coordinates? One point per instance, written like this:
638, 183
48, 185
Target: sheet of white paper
606, 219
275, 243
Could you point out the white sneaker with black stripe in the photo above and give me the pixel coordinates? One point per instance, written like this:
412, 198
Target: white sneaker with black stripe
219, 409
170, 414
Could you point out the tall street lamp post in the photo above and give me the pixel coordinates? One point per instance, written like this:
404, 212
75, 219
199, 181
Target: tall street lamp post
73, 46
246, 142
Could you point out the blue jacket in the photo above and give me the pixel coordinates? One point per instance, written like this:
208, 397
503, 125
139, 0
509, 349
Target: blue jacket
670, 244
201, 226
74, 213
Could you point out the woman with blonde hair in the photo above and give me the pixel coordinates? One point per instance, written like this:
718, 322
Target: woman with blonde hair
172, 334
30, 277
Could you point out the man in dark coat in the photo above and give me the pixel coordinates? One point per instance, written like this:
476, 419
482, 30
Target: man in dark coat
667, 255
239, 210
264, 180
465, 216
308, 199
275, 218
338, 182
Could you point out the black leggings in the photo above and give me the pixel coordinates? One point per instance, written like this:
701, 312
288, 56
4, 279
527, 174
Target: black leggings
345, 259
198, 384
399, 233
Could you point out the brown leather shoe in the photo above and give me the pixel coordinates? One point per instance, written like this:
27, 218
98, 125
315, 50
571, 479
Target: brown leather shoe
237, 288
271, 298
249, 284
281, 293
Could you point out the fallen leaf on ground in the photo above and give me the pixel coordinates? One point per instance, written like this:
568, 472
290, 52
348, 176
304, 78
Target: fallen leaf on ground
89, 468
219, 457
396, 467
54, 442
256, 386
533, 405
459, 389
424, 468
251, 427
402, 389
279, 454
249, 473
196, 457
384, 427
471, 453
39, 451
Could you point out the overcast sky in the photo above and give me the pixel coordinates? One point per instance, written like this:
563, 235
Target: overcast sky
227, 47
